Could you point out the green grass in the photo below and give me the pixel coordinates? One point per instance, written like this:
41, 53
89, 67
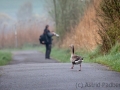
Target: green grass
61, 55
112, 61
5, 58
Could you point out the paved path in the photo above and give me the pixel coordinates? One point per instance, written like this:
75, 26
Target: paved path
29, 57
30, 71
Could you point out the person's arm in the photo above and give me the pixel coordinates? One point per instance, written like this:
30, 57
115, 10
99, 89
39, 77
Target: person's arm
55, 34
50, 34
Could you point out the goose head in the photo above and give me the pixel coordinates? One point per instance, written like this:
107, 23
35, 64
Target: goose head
71, 46
72, 49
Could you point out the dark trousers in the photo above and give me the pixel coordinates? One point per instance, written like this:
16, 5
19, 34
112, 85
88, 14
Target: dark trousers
48, 50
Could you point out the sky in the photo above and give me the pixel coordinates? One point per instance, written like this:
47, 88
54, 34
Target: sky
9, 10
11, 7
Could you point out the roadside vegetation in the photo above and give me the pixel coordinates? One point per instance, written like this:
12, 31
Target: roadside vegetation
108, 20
111, 59
5, 58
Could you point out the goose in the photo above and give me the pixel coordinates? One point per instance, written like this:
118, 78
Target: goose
75, 60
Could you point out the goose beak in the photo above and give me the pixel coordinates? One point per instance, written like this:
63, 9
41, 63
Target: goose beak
71, 45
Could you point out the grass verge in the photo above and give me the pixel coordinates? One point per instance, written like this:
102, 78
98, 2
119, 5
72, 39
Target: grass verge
5, 58
112, 59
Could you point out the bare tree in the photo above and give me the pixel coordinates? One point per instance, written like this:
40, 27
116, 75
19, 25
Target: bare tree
67, 14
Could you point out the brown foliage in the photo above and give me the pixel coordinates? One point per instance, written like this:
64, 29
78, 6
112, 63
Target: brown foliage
25, 35
85, 34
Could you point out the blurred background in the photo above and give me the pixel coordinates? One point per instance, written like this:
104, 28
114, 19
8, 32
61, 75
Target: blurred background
79, 22
22, 22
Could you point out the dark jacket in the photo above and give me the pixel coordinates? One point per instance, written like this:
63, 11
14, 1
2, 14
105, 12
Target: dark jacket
48, 36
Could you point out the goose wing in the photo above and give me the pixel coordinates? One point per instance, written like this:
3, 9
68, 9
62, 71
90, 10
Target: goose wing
76, 58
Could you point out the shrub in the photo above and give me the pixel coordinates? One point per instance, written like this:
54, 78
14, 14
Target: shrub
108, 20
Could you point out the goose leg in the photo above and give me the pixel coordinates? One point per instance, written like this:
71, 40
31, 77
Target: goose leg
72, 66
80, 67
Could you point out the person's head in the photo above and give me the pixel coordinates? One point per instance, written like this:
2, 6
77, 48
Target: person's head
47, 27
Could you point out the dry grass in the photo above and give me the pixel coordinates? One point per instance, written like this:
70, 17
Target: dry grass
85, 34
29, 34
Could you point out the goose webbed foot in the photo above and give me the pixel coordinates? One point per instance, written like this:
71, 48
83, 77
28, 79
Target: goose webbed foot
80, 67
71, 67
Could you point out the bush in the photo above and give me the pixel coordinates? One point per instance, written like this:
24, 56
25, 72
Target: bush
109, 21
